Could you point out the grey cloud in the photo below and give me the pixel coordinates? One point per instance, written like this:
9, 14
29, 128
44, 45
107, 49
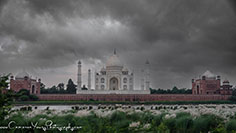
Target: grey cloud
180, 38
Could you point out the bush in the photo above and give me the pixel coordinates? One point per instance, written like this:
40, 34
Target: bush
120, 122
184, 124
170, 123
117, 116
33, 97
157, 120
232, 98
231, 125
24, 98
206, 123
23, 92
182, 114
162, 128
134, 116
146, 118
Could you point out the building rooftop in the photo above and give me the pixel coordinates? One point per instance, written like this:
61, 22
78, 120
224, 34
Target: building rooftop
22, 75
209, 74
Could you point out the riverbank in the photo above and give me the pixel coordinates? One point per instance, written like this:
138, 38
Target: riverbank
118, 102
131, 118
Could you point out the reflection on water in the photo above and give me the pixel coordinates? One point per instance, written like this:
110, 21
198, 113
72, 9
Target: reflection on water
69, 107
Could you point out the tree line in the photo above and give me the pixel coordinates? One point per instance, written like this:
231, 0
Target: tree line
71, 89
174, 90
60, 88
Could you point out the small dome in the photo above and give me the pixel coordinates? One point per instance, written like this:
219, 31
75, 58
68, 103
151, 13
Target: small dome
103, 69
226, 81
125, 70
114, 61
22, 75
208, 74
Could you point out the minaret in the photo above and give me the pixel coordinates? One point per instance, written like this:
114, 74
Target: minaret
147, 75
79, 80
142, 79
89, 79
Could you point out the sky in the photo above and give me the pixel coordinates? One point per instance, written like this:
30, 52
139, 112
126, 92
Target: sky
180, 38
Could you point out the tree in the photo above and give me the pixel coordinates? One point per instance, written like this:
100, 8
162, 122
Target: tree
4, 98
24, 98
84, 88
233, 97
24, 95
23, 92
174, 90
54, 90
71, 87
60, 86
42, 86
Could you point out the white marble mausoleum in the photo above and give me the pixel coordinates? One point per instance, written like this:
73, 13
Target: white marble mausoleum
112, 79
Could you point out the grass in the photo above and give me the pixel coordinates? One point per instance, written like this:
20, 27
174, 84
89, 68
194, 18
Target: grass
121, 121
118, 102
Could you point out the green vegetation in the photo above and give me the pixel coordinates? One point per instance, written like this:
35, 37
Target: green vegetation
125, 122
59, 89
121, 102
84, 88
24, 95
4, 98
71, 87
233, 97
52, 90
174, 90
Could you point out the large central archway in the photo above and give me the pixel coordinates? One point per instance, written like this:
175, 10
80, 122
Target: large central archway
113, 84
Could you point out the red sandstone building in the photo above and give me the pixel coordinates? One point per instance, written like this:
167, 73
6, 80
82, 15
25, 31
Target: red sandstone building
226, 88
209, 84
23, 81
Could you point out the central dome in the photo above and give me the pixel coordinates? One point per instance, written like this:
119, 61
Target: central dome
114, 61
22, 75
208, 74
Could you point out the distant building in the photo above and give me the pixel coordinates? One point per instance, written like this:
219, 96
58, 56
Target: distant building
112, 79
114, 76
23, 81
226, 88
209, 83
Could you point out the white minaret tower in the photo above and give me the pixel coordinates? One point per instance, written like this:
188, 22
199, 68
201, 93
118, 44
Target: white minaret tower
95, 78
142, 79
79, 79
89, 79
147, 75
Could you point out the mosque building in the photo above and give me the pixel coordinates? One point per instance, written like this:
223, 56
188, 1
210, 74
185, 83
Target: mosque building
24, 81
114, 79
210, 84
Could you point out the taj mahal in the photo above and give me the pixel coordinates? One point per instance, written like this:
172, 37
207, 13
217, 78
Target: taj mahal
114, 79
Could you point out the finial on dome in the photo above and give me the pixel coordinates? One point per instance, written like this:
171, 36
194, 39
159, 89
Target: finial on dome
147, 62
114, 51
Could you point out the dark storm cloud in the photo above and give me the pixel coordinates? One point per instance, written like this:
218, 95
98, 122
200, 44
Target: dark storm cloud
2, 2
181, 38
233, 4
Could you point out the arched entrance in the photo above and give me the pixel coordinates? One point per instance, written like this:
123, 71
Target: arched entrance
113, 84
33, 89
197, 89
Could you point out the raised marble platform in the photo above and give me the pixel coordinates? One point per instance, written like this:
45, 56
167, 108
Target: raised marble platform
113, 92
131, 97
